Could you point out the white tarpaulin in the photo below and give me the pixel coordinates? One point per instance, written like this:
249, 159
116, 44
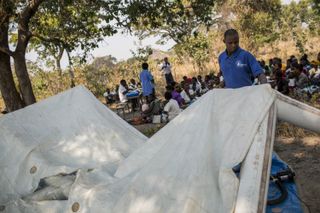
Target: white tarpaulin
185, 167
61, 134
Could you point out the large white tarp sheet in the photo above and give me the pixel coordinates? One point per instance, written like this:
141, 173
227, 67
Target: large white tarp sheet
61, 134
185, 167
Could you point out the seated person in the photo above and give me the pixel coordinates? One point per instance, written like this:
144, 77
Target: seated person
133, 85
314, 71
204, 88
302, 78
184, 93
199, 79
172, 108
208, 82
123, 94
196, 86
150, 108
191, 92
108, 96
187, 80
176, 95
281, 83
122, 91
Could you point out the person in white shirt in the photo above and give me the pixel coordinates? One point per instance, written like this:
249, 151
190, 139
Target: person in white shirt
185, 96
172, 108
108, 96
191, 92
133, 85
184, 92
166, 69
122, 91
314, 71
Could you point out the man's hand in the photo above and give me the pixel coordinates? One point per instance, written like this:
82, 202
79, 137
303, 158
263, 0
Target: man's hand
262, 78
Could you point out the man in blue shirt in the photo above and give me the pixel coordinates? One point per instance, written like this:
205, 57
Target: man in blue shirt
146, 80
238, 67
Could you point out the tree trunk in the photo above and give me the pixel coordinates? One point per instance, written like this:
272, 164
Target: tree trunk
58, 64
71, 73
58, 60
23, 77
24, 36
20, 62
8, 90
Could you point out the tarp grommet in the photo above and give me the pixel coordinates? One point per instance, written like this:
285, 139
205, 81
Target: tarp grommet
75, 207
2, 208
33, 170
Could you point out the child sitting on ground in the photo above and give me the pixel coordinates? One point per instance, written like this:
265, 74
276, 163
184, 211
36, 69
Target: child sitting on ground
172, 108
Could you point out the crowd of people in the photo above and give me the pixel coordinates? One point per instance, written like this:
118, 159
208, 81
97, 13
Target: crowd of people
295, 78
176, 97
238, 68
298, 76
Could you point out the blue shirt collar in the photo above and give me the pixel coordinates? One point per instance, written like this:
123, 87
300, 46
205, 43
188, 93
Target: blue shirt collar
234, 54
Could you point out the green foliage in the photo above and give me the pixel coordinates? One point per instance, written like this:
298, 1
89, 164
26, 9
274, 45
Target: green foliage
195, 47
173, 19
257, 22
95, 77
46, 84
142, 54
316, 6
178, 20
98, 75
298, 21
72, 25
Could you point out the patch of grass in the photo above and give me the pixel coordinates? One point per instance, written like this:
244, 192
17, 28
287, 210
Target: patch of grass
287, 130
151, 131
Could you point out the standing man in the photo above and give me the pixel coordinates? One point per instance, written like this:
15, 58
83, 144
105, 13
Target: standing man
238, 67
147, 81
166, 69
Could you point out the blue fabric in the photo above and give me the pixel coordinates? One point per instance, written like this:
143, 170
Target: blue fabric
132, 93
289, 205
147, 85
238, 68
292, 203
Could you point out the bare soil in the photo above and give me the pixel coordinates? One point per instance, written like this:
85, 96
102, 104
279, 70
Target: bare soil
302, 154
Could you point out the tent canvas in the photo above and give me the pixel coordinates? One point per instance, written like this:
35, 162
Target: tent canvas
60, 135
186, 166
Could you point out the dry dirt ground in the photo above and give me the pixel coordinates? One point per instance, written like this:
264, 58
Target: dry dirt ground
303, 156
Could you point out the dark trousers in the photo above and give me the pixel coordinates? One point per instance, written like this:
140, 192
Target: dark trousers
169, 78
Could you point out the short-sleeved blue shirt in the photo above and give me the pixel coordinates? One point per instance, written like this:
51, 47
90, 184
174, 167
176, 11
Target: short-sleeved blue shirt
146, 81
238, 68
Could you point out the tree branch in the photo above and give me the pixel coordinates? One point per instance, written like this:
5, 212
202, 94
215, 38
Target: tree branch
27, 14
6, 51
49, 40
4, 19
